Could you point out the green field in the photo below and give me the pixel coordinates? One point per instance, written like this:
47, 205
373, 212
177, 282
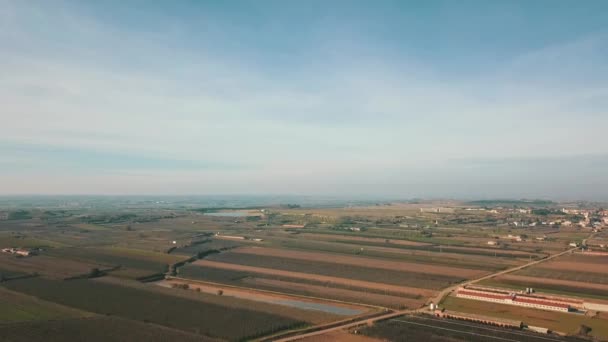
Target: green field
99, 329
148, 306
17, 307
133, 263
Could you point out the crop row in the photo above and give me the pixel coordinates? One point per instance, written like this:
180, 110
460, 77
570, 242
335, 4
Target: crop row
209, 319
403, 278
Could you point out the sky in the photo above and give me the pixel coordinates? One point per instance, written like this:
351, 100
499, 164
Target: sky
400, 99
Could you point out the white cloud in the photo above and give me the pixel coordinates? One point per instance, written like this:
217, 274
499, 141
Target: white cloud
69, 80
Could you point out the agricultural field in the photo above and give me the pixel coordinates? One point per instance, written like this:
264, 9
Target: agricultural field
568, 323
210, 319
337, 269
48, 266
189, 270
16, 307
131, 263
97, 329
426, 328
577, 275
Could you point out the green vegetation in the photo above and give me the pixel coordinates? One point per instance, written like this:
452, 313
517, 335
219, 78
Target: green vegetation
133, 263
16, 307
209, 319
98, 329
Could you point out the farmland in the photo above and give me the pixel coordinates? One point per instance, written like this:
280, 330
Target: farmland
348, 271
283, 270
556, 321
16, 307
424, 328
98, 329
162, 309
576, 275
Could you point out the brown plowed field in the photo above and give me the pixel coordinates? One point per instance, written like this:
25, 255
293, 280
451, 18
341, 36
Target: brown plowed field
576, 266
329, 292
589, 259
363, 262
518, 254
447, 256
343, 281
534, 280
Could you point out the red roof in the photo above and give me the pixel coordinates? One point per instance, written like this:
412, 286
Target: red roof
553, 299
540, 302
485, 295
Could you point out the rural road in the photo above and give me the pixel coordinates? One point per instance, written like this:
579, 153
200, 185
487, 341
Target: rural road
437, 299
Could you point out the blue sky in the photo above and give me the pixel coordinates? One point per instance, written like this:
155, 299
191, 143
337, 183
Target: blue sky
380, 98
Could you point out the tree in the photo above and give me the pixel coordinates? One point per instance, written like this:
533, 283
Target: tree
95, 272
220, 292
584, 330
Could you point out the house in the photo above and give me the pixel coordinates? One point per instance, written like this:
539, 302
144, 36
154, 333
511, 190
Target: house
567, 223
493, 243
573, 244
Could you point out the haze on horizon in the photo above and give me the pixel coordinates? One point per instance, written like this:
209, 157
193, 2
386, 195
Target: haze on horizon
382, 98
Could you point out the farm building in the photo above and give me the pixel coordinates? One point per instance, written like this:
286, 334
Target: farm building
513, 299
294, 226
232, 237
478, 319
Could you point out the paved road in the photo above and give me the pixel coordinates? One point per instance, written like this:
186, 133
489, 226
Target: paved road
435, 299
